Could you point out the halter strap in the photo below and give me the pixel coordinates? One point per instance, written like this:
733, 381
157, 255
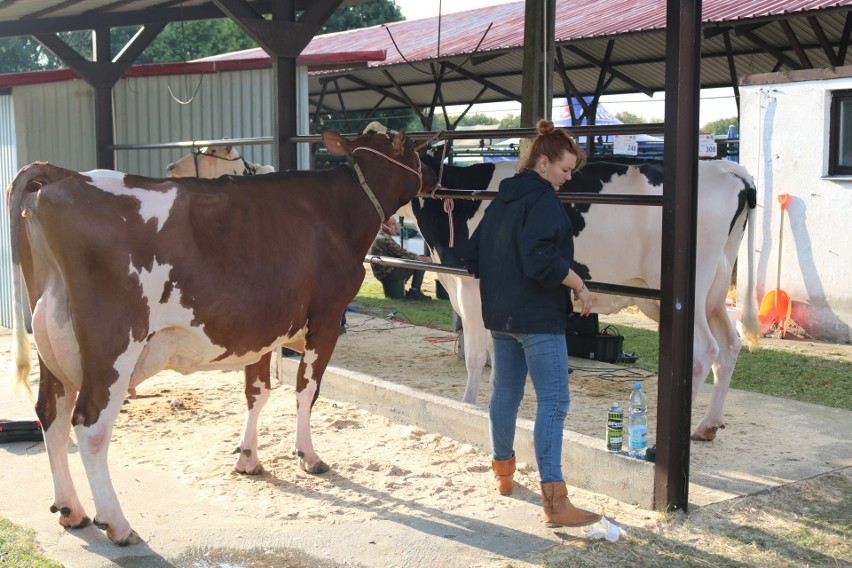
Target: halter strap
353, 165
350, 161
197, 152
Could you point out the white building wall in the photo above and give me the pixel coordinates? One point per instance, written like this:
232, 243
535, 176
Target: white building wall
784, 129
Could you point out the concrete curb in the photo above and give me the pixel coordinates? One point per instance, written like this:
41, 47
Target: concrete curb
626, 479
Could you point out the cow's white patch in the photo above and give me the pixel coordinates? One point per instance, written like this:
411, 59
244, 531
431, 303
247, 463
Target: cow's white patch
152, 204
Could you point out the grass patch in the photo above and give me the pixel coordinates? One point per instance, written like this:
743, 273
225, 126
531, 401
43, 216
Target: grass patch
434, 313
18, 548
806, 378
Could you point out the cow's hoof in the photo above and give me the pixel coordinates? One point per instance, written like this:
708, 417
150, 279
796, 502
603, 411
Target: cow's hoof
66, 520
317, 469
132, 538
705, 434
256, 470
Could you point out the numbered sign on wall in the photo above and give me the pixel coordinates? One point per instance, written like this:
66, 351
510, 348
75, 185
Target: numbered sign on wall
706, 146
625, 145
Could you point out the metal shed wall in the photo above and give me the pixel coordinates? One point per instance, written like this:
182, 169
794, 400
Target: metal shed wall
234, 104
55, 124
8, 168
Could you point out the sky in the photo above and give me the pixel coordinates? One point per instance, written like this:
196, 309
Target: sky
715, 103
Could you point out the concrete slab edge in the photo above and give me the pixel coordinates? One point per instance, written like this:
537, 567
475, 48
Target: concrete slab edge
587, 465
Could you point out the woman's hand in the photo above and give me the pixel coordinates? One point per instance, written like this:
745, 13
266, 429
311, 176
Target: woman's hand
583, 295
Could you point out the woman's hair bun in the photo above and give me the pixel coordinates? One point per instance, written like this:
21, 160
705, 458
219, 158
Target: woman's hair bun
544, 126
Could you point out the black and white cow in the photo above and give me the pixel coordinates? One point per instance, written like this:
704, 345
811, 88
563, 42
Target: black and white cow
617, 244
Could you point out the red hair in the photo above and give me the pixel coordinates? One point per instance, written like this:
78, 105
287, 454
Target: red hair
553, 142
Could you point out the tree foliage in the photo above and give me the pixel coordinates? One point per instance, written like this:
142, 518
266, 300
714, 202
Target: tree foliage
179, 41
356, 17
628, 117
362, 16
721, 126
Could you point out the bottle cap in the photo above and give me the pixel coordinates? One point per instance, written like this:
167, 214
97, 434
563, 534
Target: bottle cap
637, 385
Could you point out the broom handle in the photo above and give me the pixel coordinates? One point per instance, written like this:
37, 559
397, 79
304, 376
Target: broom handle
780, 242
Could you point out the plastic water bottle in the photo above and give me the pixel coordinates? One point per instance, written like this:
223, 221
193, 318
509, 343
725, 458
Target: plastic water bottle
637, 422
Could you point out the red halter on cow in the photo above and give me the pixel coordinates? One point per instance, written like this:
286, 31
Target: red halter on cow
128, 276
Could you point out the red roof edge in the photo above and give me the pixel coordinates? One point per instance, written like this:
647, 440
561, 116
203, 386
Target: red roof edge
216, 66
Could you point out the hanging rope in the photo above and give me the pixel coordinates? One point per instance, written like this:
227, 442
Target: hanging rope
185, 75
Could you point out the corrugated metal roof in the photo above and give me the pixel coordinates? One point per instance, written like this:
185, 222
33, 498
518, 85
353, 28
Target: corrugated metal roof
488, 42
460, 32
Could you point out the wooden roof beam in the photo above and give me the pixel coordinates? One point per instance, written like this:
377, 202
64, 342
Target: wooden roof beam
368, 86
618, 74
277, 37
823, 40
796, 45
844, 42
570, 89
732, 69
770, 49
496, 88
405, 96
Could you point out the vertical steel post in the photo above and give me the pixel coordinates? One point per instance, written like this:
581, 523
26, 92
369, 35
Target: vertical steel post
677, 288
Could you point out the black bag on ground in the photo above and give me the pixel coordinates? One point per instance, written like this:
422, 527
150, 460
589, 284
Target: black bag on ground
20, 431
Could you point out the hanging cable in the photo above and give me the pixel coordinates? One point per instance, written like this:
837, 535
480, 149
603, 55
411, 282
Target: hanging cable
185, 56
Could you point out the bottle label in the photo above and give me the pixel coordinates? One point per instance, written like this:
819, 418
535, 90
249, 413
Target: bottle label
614, 431
638, 437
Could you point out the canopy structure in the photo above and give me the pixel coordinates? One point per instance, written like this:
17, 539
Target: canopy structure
593, 47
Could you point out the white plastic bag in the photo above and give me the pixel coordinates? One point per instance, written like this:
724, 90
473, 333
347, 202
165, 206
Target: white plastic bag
604, 529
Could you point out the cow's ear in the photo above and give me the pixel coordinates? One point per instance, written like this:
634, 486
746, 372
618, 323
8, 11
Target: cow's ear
336, 144
398, 142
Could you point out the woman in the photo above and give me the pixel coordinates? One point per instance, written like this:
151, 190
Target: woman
522, 253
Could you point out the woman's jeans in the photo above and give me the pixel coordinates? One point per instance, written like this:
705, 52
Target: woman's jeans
545, 357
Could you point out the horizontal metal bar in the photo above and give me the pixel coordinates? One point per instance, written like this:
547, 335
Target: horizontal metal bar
194, 144
405, 263
612, 198
605, 130
599, 287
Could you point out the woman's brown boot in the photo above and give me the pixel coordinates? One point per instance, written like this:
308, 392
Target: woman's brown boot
558, 510
503, 471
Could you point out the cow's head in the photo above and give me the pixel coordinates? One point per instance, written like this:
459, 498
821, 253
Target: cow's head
398, 166
208, 162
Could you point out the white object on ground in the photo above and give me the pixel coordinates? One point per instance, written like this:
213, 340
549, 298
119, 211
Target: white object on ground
604, 529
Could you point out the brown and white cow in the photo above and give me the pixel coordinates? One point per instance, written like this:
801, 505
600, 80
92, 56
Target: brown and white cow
215, 161
128, 276
617, 244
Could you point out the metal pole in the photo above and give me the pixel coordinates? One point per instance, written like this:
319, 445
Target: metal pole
599, 287
677, 308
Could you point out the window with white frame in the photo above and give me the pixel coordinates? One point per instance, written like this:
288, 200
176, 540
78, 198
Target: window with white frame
840, 134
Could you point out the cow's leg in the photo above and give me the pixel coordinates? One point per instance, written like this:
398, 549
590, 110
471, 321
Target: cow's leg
93, 427
728, 344
53, 409
318, 348
477, 340
257, 394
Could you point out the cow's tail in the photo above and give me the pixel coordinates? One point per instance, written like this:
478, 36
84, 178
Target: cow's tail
29, 179
751, 326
